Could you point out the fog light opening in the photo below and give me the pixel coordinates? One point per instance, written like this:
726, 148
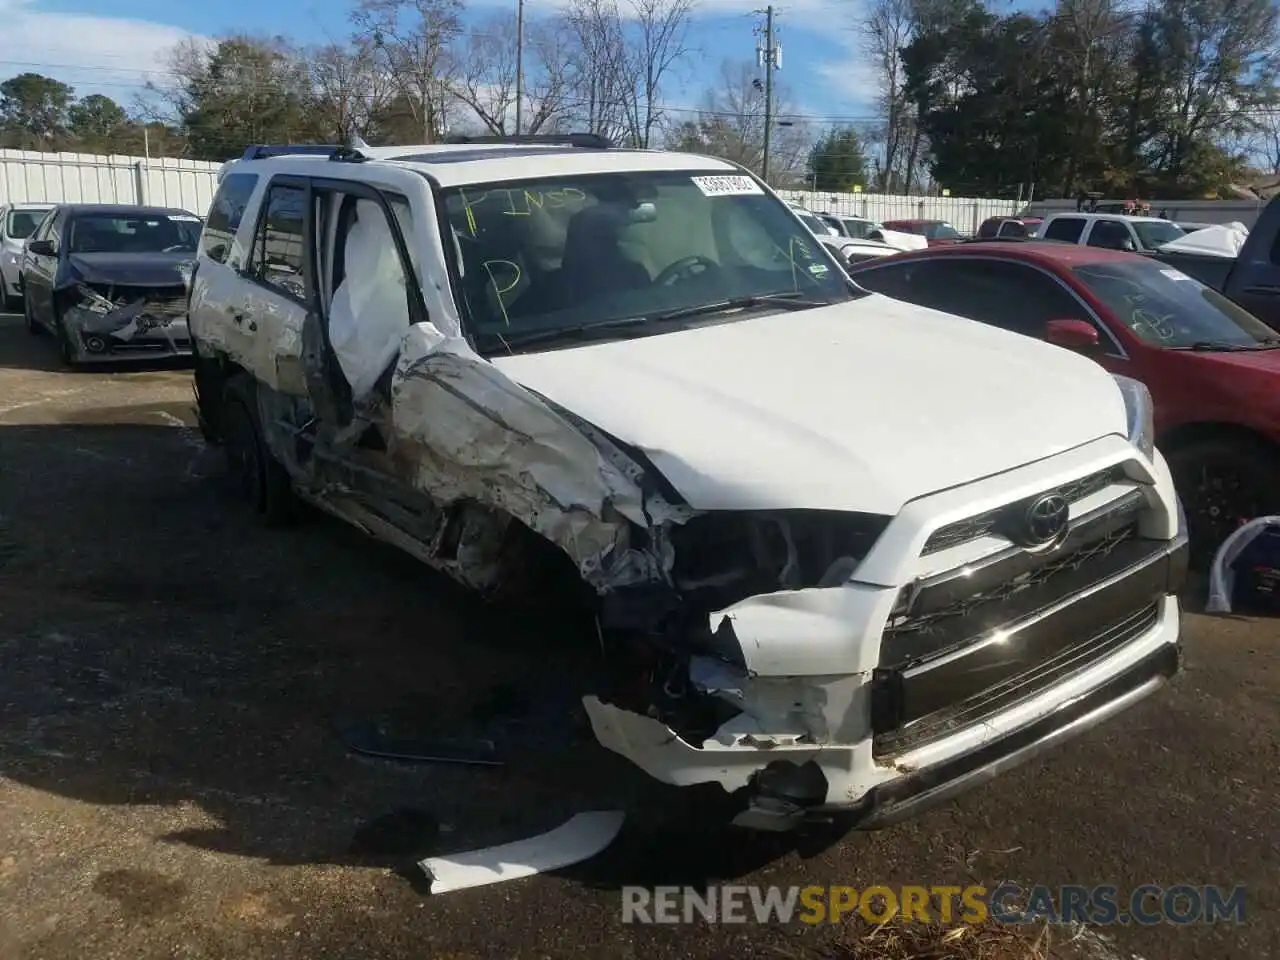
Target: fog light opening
95, 344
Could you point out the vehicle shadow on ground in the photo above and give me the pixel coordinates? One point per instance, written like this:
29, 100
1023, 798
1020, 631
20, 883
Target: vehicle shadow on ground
39, 352
160, 647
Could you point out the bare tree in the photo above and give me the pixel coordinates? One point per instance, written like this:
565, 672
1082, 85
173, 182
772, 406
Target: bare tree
414, 40
602, 86
659, 44
352, 88
485, 78
731, 125
887, 29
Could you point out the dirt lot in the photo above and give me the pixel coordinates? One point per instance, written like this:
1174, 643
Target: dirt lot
170, 784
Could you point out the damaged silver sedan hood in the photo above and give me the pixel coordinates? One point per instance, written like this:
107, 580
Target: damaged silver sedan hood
863, 405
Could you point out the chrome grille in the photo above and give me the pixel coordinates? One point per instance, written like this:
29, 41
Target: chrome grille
1017, 689
985, 524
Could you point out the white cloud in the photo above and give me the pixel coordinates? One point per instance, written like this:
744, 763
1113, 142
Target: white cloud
95, 54
852, 85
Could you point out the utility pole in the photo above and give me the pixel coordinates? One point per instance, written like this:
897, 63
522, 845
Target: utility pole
768, 57
519, 62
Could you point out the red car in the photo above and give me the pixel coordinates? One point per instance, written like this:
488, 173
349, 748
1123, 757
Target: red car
939, 233
1213, 369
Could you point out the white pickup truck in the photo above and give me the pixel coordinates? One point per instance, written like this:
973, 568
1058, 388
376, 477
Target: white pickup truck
845, 554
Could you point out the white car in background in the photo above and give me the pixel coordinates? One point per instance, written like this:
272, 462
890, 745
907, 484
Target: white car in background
817, 226
17, 222
861, 228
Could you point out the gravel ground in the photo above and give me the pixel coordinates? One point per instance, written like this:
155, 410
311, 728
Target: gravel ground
170, 783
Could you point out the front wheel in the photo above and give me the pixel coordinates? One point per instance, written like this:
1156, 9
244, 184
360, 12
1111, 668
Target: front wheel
257, 478
28, 315
1223, 483
66, 349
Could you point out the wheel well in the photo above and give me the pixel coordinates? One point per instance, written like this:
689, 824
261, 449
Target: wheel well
209, 380
1188, 433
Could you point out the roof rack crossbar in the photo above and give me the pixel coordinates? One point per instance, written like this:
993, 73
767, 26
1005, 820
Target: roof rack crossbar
586, 141
262, 151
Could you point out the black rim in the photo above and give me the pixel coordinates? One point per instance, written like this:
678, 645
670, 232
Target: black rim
1221, 496
243, 462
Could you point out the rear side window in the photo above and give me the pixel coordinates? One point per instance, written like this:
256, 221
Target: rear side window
278, 245
225, 215
988, 229
1065, 228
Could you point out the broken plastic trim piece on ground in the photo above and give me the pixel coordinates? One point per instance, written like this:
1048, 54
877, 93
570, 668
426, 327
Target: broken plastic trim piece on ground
579, 838
1222, 576
371, 741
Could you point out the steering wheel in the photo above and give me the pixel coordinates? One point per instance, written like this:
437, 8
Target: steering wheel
682, 269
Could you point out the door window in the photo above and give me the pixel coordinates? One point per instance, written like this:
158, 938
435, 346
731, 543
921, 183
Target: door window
1111, 235
277, 257
1065, 228
225, 215
1008, 295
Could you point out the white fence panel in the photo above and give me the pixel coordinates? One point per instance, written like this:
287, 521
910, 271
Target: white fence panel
29, 176
963, 213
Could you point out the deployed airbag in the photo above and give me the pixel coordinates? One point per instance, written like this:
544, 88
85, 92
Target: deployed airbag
369, 315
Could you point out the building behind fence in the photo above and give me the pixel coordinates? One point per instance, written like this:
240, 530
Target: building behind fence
28, 176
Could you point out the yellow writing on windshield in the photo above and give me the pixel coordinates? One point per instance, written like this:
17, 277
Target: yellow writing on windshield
489, 266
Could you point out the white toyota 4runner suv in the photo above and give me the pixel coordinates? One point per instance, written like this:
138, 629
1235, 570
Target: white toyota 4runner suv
845, 554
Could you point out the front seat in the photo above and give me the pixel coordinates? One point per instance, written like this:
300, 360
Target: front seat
593, 261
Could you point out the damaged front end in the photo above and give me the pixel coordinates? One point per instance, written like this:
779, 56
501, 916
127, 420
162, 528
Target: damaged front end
105, 321
739, 669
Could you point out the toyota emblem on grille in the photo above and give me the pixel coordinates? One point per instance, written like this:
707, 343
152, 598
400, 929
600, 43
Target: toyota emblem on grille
1045, 520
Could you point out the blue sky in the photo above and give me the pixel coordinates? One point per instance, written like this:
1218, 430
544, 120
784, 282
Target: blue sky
113, 46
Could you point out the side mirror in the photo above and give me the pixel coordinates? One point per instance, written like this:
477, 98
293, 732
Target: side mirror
42, 248
1077, 335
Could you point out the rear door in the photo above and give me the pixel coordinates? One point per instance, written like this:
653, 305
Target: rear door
268, 315
1254, 283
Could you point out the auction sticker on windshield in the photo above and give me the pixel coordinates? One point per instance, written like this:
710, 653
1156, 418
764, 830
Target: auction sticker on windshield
727, 186
181, 218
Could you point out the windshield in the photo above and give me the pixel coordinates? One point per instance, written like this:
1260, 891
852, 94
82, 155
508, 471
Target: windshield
1152, 233
22, 223
1167, 308
859, 229
542, 255
939, 230
121, 233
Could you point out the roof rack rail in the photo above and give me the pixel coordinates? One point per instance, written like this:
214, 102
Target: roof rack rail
587, 141
263, 151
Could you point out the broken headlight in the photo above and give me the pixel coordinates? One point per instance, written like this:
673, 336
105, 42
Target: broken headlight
724, 557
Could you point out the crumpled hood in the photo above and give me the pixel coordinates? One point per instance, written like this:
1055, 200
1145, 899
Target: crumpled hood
143, 269
858, 406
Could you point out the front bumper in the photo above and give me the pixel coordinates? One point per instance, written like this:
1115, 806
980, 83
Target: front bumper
1075, 678
170, 339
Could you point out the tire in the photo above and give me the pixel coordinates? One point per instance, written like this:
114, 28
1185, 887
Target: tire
33, 326
65, 349
1223, 482
256, 477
